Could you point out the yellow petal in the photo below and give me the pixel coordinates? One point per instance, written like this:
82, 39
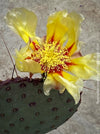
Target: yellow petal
50, 83
56, 28
64, 27
73, 23
71, 83
23, 22
87, 67
27, 65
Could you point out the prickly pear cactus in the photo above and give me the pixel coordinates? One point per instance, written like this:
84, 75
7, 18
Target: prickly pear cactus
24, 109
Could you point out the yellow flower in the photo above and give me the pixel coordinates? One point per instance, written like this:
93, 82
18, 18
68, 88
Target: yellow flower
60, 60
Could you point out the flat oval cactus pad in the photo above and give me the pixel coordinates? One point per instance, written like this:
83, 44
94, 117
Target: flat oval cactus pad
24, 109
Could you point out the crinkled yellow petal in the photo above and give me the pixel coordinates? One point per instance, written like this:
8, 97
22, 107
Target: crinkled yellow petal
50, 83
71, 83
64, 27
23, 22
87, 67
73, 24
56, 27
26, 65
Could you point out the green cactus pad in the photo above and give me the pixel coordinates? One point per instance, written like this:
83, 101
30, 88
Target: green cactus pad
24, 109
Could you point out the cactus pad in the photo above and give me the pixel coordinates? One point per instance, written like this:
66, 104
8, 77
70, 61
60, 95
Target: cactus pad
24, 109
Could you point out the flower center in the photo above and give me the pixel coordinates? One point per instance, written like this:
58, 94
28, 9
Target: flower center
51, 57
